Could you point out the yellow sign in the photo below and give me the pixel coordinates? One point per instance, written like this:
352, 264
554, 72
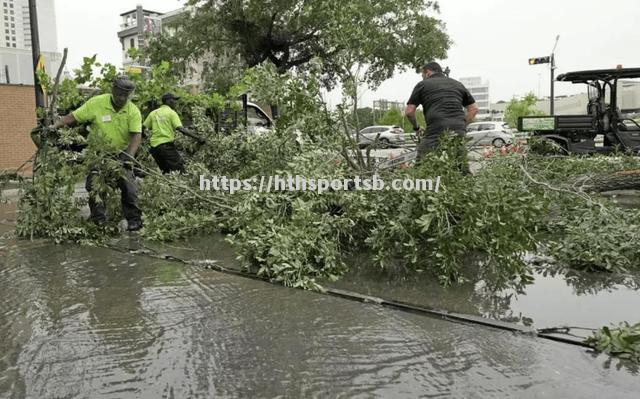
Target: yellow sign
132, 69
40, 67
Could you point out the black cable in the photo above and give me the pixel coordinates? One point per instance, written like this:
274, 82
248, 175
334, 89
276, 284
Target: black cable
558, 334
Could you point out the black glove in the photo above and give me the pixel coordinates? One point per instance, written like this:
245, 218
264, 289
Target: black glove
48, 130
126, 160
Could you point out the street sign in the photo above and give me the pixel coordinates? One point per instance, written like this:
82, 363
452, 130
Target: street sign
133, 69
539, 60
536, 123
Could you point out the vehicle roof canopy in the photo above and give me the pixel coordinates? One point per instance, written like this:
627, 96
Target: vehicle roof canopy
599, 74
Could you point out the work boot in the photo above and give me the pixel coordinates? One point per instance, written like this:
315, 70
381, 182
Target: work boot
134, 225
98, 220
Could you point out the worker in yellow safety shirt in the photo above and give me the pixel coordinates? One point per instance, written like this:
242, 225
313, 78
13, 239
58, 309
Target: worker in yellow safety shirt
163, 123
119, 121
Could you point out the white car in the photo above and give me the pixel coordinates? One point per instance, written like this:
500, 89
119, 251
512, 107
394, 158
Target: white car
497, 134
387, 136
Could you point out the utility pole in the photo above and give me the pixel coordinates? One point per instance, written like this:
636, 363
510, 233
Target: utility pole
35, 51
553, 67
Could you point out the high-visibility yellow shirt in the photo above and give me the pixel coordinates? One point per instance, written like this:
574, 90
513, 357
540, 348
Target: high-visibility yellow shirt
162, 122
115, 126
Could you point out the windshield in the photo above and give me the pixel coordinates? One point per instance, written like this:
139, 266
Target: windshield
629, 97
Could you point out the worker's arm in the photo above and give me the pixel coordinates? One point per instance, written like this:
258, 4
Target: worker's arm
134, 143
410, 113
412, 105
64, 121
189, 133
472, 111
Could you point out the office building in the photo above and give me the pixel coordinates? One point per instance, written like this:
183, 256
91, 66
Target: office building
16, 62
480, 92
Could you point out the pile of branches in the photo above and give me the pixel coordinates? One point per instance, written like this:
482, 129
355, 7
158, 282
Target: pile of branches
515, 205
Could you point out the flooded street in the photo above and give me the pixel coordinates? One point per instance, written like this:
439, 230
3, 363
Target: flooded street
93, 322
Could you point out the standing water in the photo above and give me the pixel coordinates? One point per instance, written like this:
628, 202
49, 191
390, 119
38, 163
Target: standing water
93, 322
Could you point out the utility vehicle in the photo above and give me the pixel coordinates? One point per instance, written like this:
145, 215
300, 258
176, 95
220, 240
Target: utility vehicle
603, 117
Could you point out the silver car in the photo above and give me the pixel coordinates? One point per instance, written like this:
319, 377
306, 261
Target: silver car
388, 136
497, 134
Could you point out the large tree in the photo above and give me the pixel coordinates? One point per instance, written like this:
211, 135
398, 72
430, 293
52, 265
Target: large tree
384, 35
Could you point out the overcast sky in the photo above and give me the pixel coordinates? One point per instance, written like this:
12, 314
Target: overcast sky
492, 39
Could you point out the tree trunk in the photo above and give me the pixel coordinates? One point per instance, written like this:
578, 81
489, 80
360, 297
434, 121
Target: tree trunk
621, 180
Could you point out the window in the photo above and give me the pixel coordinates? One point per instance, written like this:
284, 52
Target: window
367, 130
472, 128
132, 43
14, 45
7, 38
6, 31
254, 118
13, 31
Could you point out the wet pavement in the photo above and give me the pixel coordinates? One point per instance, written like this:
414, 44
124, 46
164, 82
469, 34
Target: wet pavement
97, 323
82, 322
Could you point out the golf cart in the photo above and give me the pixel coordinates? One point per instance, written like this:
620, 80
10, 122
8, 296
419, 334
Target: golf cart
577, 133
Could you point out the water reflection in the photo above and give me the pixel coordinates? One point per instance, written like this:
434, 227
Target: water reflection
91, 322
555, 297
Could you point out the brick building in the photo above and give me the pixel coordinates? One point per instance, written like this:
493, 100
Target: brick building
17, 118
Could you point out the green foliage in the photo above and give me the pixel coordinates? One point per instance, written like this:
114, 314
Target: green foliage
396, 117
622, 342
293, 32
493, 214
288, 239
48, 207
363, 117
523, 107
596, 238
514, 205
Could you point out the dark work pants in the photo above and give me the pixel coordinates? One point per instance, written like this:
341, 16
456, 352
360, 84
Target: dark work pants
167, 157
128, 198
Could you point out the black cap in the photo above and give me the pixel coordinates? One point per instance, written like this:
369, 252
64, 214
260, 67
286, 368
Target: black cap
123, 83
433, 66
169, 96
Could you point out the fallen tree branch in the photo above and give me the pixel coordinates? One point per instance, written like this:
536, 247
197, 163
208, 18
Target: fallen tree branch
580, 194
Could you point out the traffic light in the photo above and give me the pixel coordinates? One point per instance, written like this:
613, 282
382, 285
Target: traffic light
539, 60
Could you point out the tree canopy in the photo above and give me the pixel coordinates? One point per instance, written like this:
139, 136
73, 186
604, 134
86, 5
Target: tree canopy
522, 107
386, 35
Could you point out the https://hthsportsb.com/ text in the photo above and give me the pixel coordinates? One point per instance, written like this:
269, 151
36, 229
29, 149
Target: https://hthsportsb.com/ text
278, 183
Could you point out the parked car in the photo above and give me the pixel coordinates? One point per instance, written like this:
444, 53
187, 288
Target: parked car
388, 136
497, 134
258, 121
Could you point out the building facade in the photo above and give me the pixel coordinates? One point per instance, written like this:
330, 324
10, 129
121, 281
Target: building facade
480, 91
16, 62
18, 114
135, 30
17, 118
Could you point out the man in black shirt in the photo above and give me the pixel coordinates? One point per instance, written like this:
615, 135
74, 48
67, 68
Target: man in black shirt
443, 101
